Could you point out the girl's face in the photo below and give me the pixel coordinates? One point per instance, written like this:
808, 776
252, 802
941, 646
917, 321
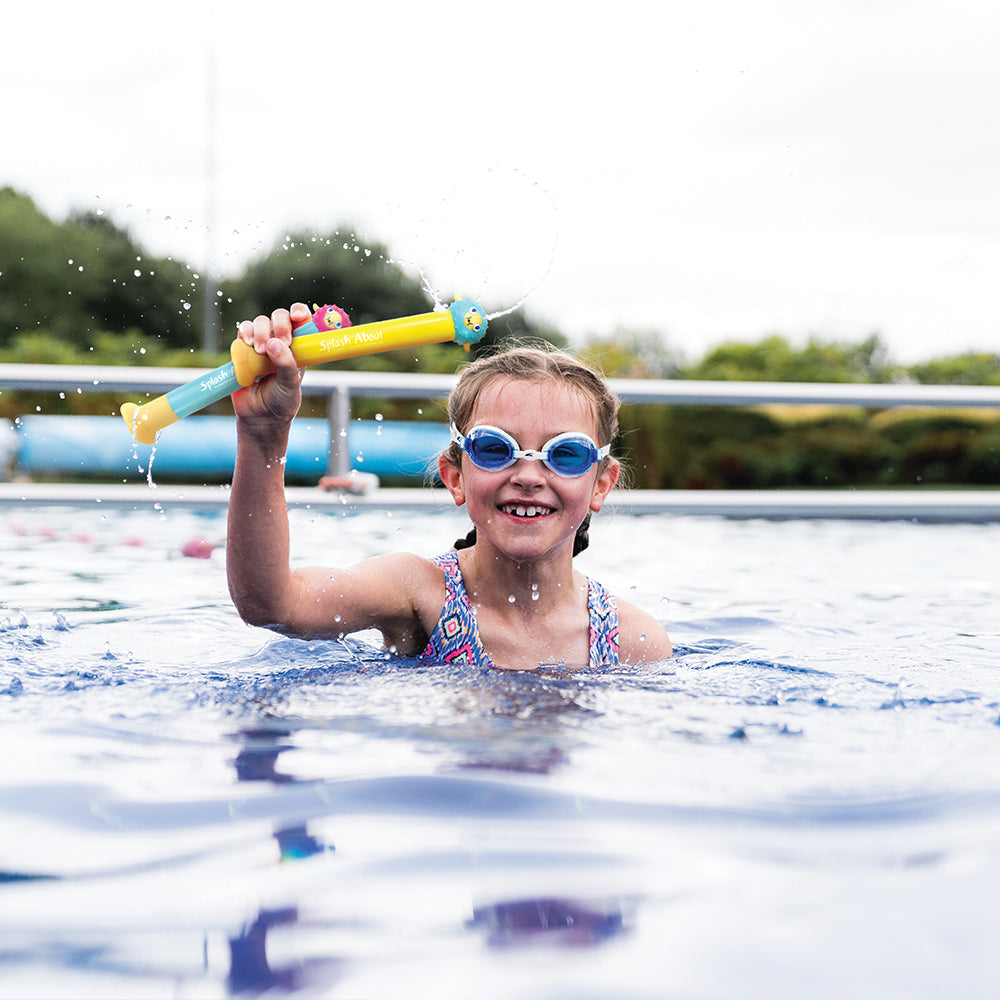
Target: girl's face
526, 510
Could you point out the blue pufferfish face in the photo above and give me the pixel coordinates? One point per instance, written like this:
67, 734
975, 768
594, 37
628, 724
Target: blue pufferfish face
473, 320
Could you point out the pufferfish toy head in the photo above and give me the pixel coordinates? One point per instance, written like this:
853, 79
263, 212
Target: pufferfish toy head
469, 320
330, 318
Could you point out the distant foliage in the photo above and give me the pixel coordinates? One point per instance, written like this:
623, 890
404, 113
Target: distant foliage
83, 291
971, 368
773, 359
86, 276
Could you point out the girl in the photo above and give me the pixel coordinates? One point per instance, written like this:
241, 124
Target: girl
529, 458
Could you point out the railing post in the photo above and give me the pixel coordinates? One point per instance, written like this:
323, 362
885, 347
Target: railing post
338, 462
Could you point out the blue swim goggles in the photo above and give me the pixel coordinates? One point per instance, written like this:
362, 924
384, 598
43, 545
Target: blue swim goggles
570, 454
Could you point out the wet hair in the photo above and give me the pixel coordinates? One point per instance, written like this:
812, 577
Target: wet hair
533, 364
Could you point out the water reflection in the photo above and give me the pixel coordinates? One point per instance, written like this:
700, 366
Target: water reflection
560, 922
257, 758
534, 740
250, 971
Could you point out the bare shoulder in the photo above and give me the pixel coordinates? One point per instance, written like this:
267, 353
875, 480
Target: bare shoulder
642, 639
397, 577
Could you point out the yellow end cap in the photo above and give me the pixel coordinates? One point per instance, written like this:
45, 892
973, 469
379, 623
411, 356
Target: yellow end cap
146, 421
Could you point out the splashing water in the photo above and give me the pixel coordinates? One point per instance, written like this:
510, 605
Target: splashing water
500, 227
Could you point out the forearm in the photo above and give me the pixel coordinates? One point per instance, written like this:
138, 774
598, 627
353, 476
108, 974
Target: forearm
257, 546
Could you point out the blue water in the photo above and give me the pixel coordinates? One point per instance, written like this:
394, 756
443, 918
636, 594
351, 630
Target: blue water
804, 802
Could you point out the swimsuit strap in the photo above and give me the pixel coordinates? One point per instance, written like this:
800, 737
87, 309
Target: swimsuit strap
455, 638
603, 626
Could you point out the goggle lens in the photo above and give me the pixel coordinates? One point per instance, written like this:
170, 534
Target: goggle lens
571, 458
490, 451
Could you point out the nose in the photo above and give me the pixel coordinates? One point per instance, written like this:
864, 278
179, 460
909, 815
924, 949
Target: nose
528, 472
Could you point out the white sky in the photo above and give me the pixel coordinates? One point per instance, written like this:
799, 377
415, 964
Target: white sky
715, 170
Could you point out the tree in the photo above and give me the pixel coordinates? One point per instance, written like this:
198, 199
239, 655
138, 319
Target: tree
360, 277
773, 359
971, 368
84, 276
633, 353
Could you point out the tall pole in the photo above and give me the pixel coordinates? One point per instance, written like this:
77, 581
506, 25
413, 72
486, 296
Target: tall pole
210, 318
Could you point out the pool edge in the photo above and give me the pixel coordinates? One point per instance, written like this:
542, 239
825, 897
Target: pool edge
916, 505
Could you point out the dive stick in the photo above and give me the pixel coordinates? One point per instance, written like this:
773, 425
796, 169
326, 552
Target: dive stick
328, 336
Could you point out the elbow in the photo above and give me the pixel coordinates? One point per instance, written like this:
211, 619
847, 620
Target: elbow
255, 612
258, 617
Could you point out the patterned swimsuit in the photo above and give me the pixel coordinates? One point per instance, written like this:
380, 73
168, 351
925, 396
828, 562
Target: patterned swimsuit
456, 639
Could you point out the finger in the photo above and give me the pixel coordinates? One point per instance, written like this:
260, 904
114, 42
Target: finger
261, 333
244, 330
281, 325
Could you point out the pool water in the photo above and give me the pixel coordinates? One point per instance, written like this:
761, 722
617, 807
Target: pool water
804, 802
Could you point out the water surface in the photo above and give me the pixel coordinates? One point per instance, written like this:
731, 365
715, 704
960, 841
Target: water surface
805, 801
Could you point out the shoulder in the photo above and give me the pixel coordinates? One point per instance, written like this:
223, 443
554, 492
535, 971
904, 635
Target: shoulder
642, 639
401, 594
401, 571
385, 587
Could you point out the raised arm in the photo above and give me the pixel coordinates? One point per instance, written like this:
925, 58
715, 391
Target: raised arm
399, 594
257, 545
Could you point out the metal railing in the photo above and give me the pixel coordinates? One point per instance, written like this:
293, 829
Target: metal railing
341, 386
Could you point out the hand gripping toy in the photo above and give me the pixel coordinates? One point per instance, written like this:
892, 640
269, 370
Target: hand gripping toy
328, 336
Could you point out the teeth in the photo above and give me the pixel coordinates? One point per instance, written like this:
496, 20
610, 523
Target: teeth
525, 511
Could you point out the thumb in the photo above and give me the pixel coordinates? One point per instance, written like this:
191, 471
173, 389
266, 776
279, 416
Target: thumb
280, 355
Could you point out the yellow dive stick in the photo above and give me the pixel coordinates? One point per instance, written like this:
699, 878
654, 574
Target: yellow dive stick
328, 336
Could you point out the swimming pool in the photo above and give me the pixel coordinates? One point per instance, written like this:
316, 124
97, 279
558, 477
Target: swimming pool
804, 802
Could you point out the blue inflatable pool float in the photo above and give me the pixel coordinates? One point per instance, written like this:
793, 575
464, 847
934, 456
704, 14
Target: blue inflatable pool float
204, 448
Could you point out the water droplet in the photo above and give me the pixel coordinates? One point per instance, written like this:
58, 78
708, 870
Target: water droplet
512, 599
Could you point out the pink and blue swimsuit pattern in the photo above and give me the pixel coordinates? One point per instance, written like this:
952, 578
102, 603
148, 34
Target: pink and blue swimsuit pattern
456, 636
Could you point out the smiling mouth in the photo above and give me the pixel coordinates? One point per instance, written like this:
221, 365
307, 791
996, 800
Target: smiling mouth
525, 510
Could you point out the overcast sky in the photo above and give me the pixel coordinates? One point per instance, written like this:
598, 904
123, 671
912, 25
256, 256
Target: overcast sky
714, 170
